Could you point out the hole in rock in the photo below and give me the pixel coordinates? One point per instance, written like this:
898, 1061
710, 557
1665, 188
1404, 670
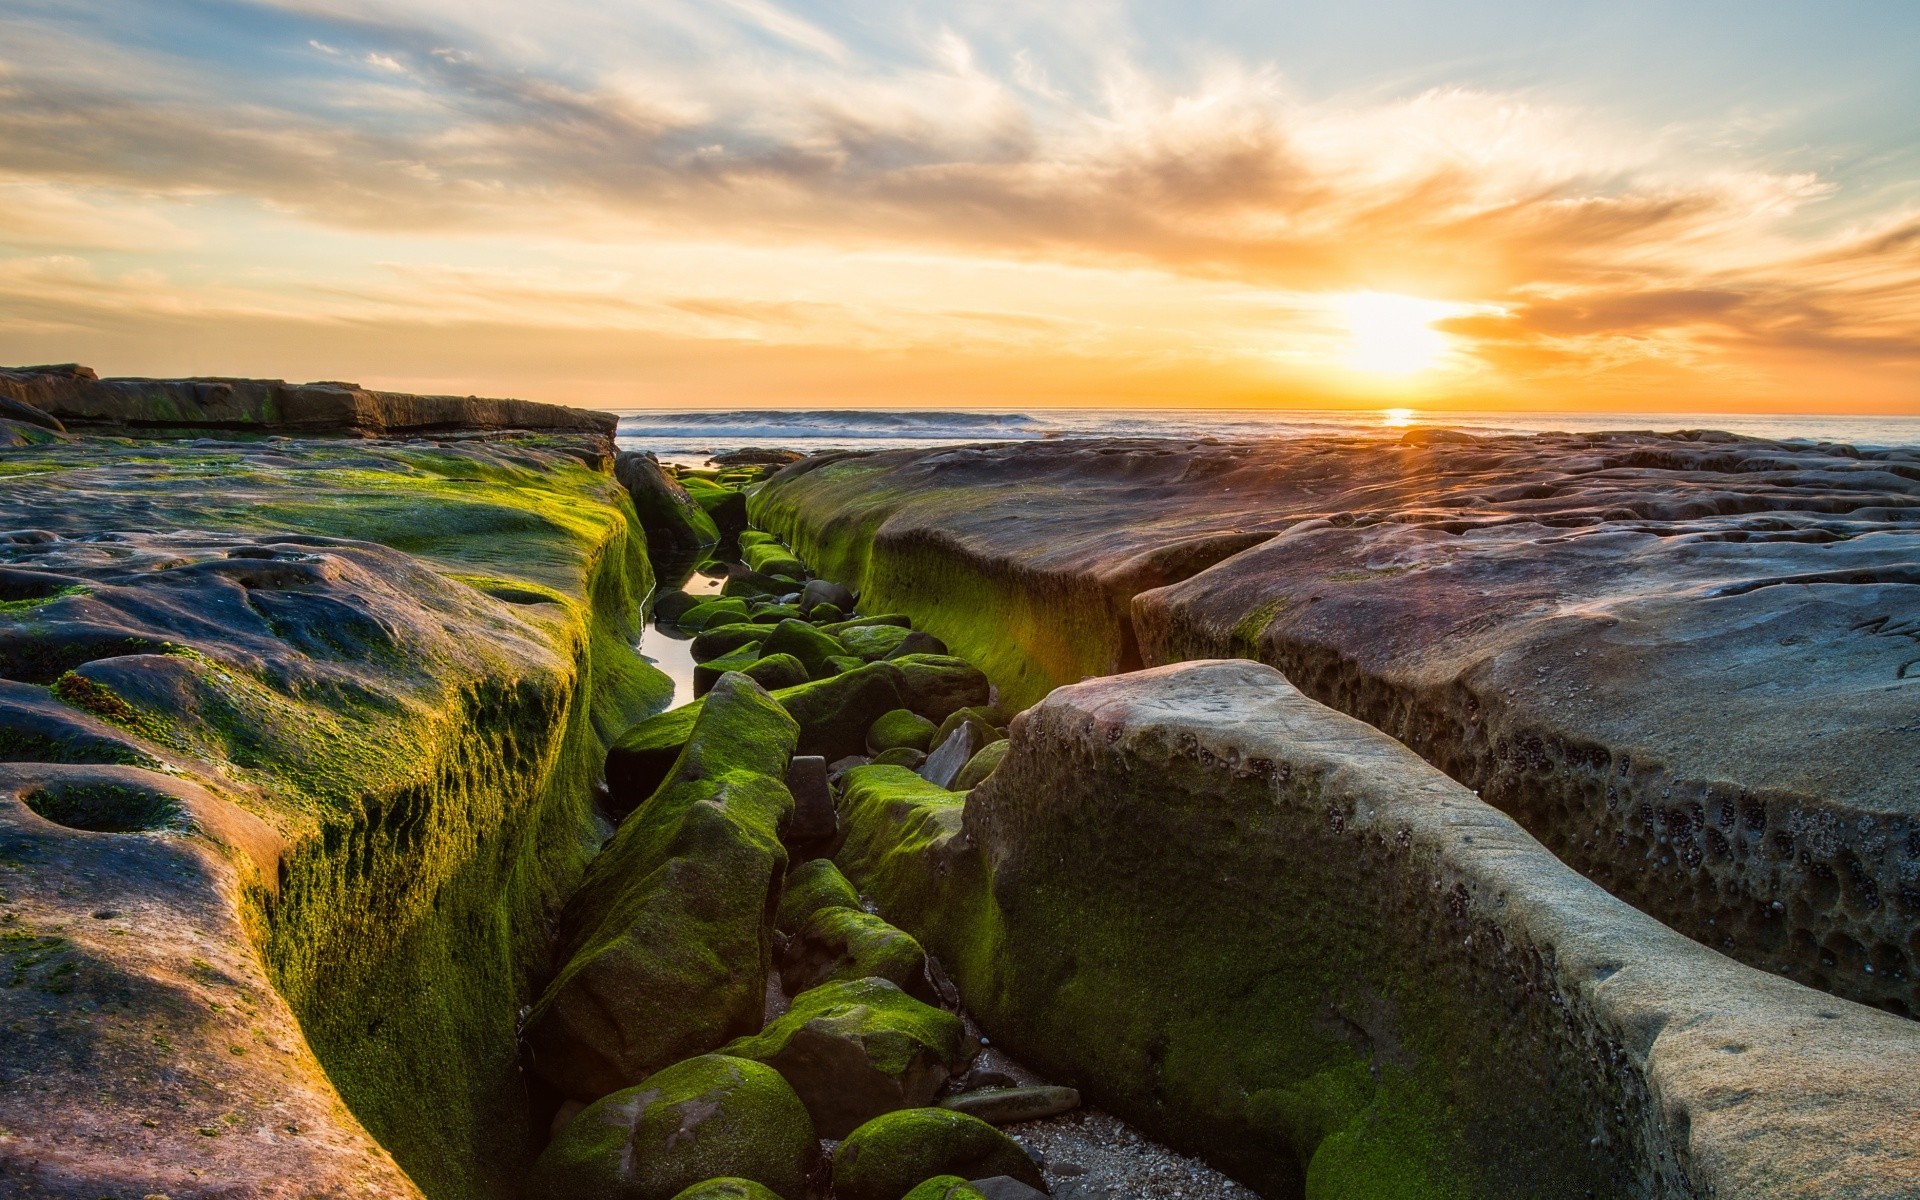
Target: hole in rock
102, 807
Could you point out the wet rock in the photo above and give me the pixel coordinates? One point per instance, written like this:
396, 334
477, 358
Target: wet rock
688, 1121
726, 638
771, 558
825, 614
1011, 1105
727, 1189
980, 766
937, 685
726, 610
813, 816
667, 943
675, 524
756, 456
888, 1156
945, 1187
773, 614
858, 1048
1005, 1187
900, 756
811, 887
873, 642
900, 728
826, 591
726, 506
951, 757
918, 642
845, 943
805, 643
751, 584
669, 606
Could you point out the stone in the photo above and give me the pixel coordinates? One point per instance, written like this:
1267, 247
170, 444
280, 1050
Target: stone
773, 559
811, 887
744, 583
1012, 1105
900, 756
858, 1048
824, 614
919, 642
1006, 1187
834, 715
666, 945
350, 778
873, 642
1244, 880
12, 409
888, 1156
982, 719
668, 606
708, 1116
725, 638
728, 1189
756, 456
813, 816
79, 398
843, 944
980, 766
726, 506
938, 685
899, 728
826, 591
675, 524
805, 643
1499, 605
840, 664
707, 673
951, 757
840, 627
945, 1187
725, 610
773, 614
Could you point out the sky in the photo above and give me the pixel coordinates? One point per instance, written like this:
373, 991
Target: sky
1688, 206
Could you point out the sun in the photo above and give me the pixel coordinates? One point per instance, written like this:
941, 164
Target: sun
1394, 335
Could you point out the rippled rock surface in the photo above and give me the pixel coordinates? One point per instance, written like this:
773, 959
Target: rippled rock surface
1689, 663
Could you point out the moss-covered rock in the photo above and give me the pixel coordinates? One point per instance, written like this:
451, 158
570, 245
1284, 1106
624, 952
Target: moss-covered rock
901, 727
859, 1048
667, 606
721, 639
938, 685
805, 643
981, 765
840, 664
873, 642
825, 614
728, 1189
750, 584
945, 1187
773, 614
675, 523
845, 943
666, 945
989, 725
892, 1154
757, 537
727, 507
775, 672
771, 558
839, 627
692, 1122
810, 887
707, 672
900, 756
713, 612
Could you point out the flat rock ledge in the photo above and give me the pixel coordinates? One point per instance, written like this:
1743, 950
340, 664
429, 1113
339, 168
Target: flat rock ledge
1263, 931
1689, 663
78, 397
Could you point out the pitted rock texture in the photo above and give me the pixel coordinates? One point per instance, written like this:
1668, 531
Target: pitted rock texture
1689, 663
76, 395
1264, 931
319, 719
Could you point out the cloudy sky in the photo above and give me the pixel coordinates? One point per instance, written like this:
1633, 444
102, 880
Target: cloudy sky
1681, 206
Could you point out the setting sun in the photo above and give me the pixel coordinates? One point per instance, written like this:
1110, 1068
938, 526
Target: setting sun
1394, 335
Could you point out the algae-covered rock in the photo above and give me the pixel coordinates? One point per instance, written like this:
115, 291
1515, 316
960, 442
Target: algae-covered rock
938, 685
858, 1048
727, 507
771, 558
725, 638
840, 664
825, 614
872, 642
826, 591
728, 1189
805, 643
901, 727
757, 537
845, 943
691, 1122
722, 611
834, 715
707, 673
900, 756
980, 766
951, 756
675, 524
945, 1187
752, 584
813, 886
667, 943
774, 613
668, 606
775, 672
901, 620
890, 1155
986, 719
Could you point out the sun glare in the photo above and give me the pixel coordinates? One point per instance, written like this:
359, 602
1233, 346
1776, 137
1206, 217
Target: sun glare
1394, 335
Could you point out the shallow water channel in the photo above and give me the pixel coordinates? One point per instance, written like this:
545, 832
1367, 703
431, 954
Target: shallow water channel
669, 648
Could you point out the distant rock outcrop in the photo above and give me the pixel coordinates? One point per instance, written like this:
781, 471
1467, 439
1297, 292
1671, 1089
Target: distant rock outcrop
76, 396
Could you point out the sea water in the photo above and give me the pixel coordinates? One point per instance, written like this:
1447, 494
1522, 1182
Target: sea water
689, 436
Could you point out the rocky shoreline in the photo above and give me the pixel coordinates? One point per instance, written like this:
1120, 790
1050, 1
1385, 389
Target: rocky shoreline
348, 847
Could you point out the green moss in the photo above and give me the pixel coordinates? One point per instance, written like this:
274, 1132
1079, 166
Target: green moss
945, 1187
805, 643
727, 1189
29, 604
900, 728
810, 887
695, 1121
713, 612
892, 1154
725, 639
844, 944
872, 642
938, 685
981, 765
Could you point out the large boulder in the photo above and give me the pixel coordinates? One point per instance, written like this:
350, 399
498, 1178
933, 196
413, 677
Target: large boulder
890, 1155
1267, 933
834, 715
859, 1048
666, 946
675, 524
694, 1121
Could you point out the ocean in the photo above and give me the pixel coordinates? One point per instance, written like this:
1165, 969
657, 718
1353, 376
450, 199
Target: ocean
688, 436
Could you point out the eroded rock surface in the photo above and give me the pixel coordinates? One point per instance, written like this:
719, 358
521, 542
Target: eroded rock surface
1261, 930
1689, 663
